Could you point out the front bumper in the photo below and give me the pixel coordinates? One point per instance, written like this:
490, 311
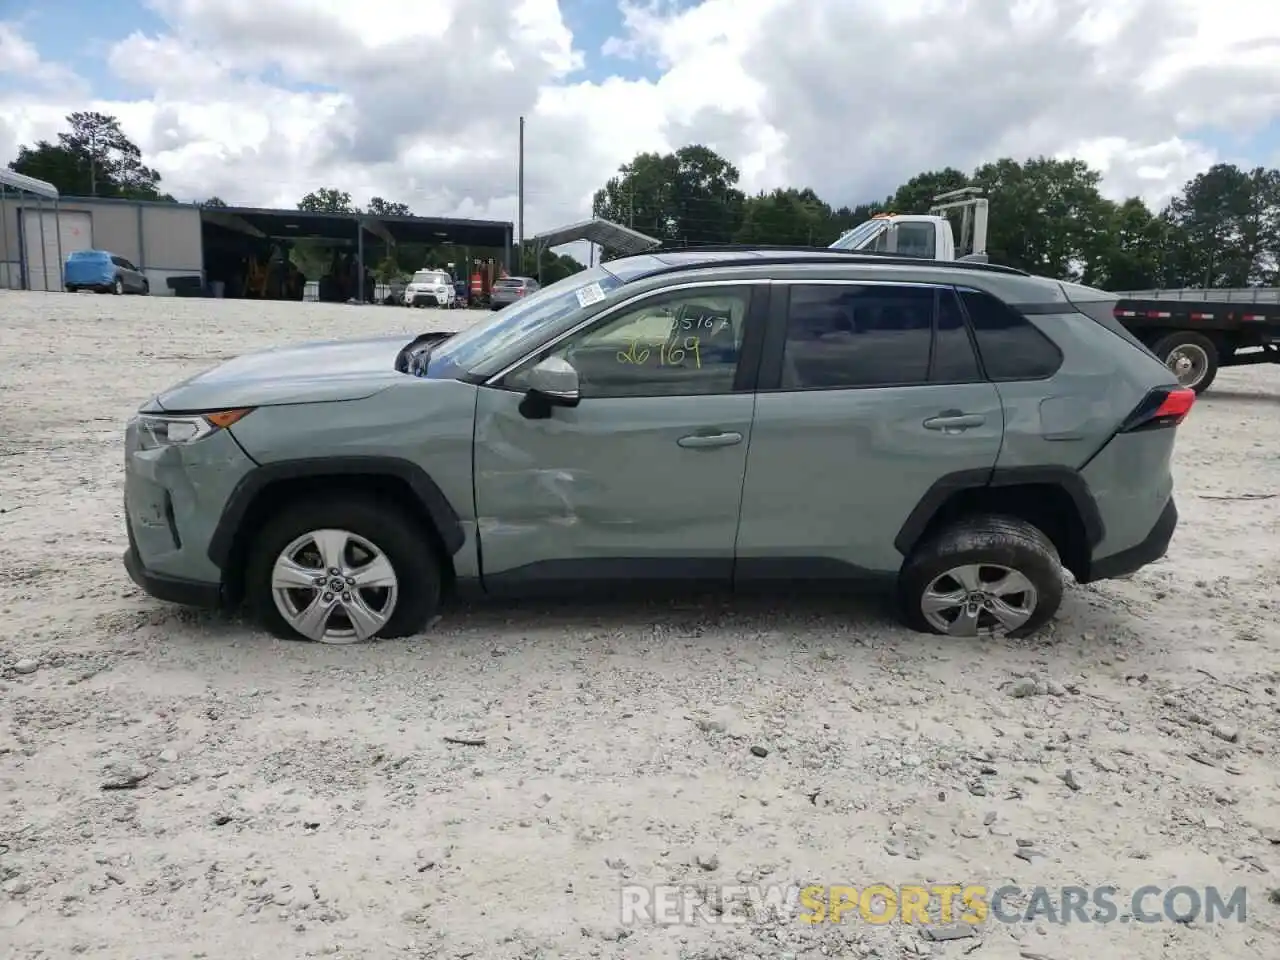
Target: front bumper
189, 593
174, 497
428, 299
1151, 549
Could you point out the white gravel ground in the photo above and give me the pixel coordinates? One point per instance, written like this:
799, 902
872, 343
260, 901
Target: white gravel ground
302, 800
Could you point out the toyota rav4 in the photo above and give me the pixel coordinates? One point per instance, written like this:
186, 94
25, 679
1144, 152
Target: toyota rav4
966, 433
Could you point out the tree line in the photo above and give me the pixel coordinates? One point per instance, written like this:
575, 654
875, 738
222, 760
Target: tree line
1048, 216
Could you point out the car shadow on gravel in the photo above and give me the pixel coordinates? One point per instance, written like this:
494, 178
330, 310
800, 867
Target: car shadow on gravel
793, 619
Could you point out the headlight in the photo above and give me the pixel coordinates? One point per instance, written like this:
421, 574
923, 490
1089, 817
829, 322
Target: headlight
161, 430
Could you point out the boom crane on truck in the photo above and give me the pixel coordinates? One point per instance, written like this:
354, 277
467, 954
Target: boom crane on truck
1194, 332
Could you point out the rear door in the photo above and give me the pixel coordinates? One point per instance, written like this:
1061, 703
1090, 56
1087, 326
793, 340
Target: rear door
870, 392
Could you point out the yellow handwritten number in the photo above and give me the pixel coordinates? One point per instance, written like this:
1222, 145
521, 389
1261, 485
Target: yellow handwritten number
669, 354
635, 353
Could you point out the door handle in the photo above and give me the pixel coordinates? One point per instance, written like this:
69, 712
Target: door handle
954, 421
704, 440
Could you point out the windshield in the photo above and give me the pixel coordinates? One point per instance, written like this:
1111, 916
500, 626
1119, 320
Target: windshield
473, 350
859, 236
429, 277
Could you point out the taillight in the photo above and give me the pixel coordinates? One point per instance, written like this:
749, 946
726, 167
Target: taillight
1163, 407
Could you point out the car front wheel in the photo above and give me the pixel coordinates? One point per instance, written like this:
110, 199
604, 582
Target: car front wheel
117, 287
338, 570
983, 576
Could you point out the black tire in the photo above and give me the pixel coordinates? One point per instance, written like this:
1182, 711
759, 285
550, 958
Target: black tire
1165, 346
995, 540
146, 288
399, 536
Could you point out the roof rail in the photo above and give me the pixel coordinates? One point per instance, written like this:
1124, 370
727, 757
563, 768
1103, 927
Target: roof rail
754, 254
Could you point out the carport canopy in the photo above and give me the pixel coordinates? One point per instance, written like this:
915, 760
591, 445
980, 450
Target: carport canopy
41, 190
310, 225
614, 237
24, 184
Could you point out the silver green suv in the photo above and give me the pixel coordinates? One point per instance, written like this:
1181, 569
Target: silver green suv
722, 417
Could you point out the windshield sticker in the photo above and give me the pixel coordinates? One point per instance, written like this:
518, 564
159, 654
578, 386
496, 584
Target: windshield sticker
590, 294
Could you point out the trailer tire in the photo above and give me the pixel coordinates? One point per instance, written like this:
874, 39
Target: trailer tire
1199, 353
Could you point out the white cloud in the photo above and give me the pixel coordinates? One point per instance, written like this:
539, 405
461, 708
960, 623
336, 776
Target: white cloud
262, 102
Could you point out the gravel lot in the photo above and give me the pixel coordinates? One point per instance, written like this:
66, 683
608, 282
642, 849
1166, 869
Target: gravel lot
301, 800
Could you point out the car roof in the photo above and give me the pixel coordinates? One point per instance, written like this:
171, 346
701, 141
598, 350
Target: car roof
794, 263
669, 260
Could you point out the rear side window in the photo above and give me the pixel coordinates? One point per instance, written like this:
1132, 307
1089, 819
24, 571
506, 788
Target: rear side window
1104, 312
1009, 344
845, 336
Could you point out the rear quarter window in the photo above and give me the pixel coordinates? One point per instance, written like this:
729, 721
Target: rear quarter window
1010, 346
1104, 311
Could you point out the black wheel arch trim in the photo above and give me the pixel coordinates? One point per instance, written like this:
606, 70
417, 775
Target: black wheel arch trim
943, 489
425, 489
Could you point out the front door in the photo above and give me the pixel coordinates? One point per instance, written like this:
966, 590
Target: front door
871, 395
641, 480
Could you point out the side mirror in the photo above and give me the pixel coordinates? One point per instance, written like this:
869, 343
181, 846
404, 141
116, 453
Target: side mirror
552, 383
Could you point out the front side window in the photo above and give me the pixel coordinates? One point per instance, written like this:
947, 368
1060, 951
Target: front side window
685, 343
846, 335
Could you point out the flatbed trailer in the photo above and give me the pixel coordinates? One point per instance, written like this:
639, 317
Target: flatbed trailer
1195, 332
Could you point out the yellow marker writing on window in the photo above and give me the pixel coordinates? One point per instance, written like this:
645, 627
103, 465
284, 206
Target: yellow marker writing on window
669, 354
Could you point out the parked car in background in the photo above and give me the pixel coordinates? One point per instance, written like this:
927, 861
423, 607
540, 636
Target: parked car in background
103, 272
509, 290
430, 288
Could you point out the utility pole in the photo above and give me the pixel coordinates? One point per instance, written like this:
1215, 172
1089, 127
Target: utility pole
520, 207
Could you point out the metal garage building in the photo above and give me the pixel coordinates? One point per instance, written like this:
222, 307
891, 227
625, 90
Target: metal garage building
165, 239
161, 239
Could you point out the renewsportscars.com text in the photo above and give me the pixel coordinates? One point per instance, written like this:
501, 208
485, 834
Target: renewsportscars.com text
674, 905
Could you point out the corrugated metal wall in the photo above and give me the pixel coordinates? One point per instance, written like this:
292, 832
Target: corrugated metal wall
162, 239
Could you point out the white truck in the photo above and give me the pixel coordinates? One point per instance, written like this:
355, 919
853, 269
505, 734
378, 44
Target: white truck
928, 236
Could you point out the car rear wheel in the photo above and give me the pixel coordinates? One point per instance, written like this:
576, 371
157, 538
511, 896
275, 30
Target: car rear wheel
983, 576
338, 570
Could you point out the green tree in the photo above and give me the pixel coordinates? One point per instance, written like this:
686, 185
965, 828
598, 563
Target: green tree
1045, 214
327, 200
93, 159
384, 208
684, 198
213, 202
918, 193
785, 216
1229, 223
1129, 252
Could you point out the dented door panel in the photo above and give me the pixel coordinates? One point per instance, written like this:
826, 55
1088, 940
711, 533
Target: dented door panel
609, 479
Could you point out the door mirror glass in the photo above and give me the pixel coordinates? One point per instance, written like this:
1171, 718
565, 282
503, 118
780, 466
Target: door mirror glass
554, 379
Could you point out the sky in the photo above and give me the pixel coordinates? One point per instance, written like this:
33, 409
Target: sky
419, 102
